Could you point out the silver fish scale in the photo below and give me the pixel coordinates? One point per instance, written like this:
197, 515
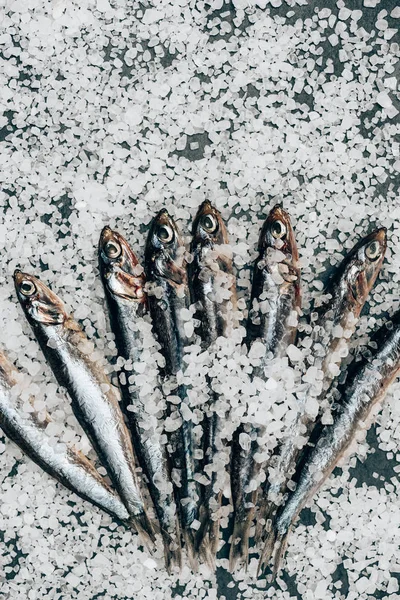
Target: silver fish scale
366, 388
98, 413
63, 463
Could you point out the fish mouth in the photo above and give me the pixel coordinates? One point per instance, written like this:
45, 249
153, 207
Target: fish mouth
205, 206
278, 212
105, 236
162, 214
379, 235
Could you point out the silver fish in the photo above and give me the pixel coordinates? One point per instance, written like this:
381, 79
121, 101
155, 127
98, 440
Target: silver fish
66, 464
124, 283
168, 295
275, 296
365, 389
337, 317
213, 289
94, 399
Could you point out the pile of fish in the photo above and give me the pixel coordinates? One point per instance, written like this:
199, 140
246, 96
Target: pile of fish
156, 487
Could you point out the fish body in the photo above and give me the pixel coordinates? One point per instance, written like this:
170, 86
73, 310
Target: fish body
213, 290
124, 282
66, 464
168, 298
93, 399
275, 295
365, 389
336, 320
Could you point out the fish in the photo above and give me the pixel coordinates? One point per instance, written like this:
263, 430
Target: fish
275, 297
168, 298
213, 291
335, 322
62, 462
94, 400
124, 284
359, 398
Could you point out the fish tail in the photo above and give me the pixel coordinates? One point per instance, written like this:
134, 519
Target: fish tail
275, 544
213, 535
267, 551
267, 511
208, 535
190, 544
145, 529
279, 553
172, 550
208, 545
240, 542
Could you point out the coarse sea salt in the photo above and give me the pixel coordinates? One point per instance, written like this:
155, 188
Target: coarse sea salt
111, 111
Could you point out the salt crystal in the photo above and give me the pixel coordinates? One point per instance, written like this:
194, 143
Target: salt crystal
384, 100
245, 441
294, 353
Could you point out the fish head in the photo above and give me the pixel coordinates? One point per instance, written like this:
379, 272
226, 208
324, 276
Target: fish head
120, 270
39, 303
164, 252
208, 227
278, 249
277, 233
364, 262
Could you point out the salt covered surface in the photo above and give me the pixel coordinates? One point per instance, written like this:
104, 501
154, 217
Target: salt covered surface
111, 110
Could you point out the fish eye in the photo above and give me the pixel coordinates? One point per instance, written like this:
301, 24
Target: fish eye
112, 250
209, 223
278, 229
373, 250
165, 234
27, 288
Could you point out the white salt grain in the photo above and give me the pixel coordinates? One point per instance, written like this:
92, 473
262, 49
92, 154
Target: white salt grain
294, 353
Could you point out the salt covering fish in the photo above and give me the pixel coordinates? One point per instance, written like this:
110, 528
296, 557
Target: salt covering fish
274, 309
213, 290
26, 428
360, 396
335, 321
94, 400
124, 281
168, 297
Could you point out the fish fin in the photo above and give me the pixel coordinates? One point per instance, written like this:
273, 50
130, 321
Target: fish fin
280, 549
267, 551
267, 511
145, 529
172, 550
275, 545
239, 552
190, 544
213, 535
209, 542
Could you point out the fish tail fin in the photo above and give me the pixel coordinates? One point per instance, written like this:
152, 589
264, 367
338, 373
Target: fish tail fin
209, 543
213, 535
172, 550
239, 552
208, 534
267, 551
145, 529
279, 553
275, 544
190, 544
267, 511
